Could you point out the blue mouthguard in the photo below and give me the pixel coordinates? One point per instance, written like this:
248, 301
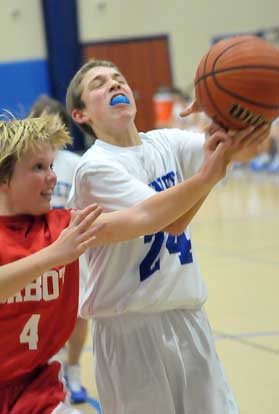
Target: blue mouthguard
119, 99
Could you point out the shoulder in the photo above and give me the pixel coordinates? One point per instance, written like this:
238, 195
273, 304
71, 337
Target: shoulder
174, 139
59, 217
171, 134
55, 221
98, 161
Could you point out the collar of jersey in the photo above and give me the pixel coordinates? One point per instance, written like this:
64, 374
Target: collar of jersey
116, 148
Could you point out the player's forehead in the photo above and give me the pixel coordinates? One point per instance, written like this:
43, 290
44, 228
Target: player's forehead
41, 152
99, 72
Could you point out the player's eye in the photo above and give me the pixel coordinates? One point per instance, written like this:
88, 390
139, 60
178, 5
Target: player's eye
96, 83
38, 167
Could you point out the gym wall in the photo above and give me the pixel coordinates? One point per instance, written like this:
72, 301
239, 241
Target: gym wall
190, 26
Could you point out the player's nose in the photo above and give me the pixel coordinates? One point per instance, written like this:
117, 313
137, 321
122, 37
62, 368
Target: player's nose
115, 85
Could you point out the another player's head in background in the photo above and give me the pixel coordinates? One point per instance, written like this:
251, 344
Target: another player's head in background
89, 96
27, 150
46, 105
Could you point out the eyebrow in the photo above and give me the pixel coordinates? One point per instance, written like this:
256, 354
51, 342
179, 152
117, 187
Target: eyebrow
35, 160
115, 75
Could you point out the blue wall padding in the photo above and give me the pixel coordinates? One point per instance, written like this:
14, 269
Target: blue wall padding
21, 83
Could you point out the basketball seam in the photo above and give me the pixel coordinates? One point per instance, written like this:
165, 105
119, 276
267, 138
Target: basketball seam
234, 95
246, 100
235, 68
243, 99
217, 57
222, 116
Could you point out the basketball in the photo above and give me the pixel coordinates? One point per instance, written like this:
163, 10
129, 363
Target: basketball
237, 82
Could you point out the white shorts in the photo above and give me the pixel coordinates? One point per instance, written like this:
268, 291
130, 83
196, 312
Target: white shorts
163, 363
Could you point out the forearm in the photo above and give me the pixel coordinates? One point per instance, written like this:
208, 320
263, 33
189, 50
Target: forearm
155, 213
16, 275
180, 225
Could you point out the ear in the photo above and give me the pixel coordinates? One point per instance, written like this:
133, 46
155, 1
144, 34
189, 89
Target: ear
79, 116
4, 186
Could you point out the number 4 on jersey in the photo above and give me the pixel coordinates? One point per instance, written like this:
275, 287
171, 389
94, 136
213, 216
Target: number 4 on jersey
182, 246
29, 334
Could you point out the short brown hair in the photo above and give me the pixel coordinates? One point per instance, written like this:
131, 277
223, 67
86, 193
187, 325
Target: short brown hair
18, 136
46, 105
74, 91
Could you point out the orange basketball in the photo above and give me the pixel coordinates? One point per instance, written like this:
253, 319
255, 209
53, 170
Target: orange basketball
237, 82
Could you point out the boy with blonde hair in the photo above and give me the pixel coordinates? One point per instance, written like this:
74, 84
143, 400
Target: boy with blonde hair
39, 248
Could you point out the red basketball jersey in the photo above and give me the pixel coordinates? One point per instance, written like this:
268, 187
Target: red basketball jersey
35, 323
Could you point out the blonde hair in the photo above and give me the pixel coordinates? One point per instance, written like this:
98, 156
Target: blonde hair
18, 136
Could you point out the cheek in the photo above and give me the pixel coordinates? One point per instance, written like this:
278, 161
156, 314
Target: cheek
26, 187
131, 96
99, 111
96, 105
35, 185
133, 102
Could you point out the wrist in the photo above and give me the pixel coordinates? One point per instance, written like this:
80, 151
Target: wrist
207, 180
50, 256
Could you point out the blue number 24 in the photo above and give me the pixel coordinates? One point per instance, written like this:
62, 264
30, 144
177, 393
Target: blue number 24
151, 263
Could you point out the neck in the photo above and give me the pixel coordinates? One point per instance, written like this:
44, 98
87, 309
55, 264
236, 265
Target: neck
5, 209
128, 137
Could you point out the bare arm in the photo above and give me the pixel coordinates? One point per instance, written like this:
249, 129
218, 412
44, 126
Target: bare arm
161, 210
244, 146
72, 242
180, 202
180, 225
148, 217
152, 215
14, 276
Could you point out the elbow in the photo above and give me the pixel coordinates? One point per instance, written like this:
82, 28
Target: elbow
175, 230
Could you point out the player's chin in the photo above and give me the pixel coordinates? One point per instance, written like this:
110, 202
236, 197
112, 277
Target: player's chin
41, 209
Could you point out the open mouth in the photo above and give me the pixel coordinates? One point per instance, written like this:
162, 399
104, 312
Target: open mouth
47, 194
119, 99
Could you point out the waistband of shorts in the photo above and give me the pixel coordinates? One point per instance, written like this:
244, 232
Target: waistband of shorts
126, 316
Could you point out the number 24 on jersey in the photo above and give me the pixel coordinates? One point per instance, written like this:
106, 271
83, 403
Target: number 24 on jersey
179, 245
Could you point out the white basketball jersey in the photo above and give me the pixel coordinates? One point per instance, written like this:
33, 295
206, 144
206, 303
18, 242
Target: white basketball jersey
64, 166
155, 272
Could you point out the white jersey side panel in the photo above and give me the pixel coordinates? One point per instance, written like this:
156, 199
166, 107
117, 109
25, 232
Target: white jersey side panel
155, 272
65, 163
64, 166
